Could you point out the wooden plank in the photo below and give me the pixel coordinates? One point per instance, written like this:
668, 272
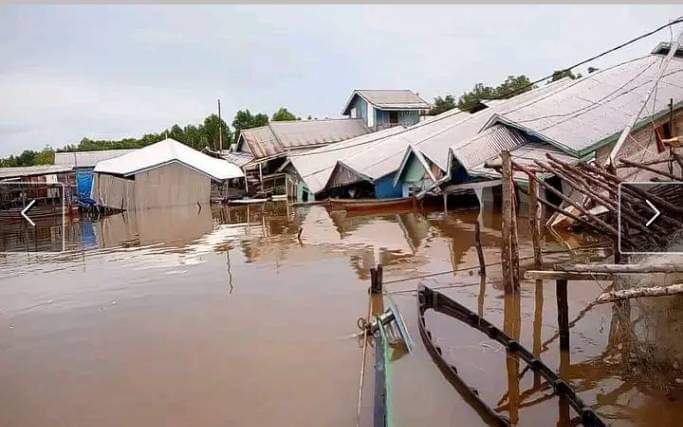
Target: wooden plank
654, 291
506, 230
623, 268
565, 275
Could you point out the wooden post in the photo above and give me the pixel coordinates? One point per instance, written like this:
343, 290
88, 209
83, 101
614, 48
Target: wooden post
514, 236
534, 223
376, 279
562, 313
506, 222
480, 251
445, 202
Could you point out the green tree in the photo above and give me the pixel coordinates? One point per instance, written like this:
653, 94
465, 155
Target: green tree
213, 127
442, 105
45, 157
283, 114
513, 85
245, 120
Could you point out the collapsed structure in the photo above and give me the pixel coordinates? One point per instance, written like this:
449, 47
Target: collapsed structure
573, 120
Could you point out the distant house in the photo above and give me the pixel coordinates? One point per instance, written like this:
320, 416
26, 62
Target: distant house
161, 175
83, 163
381, 109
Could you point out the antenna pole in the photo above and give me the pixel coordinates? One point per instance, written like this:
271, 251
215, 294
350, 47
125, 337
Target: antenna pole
220, 129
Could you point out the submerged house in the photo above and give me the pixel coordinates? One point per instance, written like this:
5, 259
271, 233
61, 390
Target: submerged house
167, 173
577, 120
40, 183
262, 151
83, 163
381, 109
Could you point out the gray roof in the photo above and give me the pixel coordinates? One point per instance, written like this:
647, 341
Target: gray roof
18, 172
283, 136
87, 159
592, 111
238, 158
389, 100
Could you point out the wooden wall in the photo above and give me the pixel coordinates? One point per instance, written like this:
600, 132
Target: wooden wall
170, 185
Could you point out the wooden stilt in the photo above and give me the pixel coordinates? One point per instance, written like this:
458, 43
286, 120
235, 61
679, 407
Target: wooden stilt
534, 223
480, 251
562, 313
506, 227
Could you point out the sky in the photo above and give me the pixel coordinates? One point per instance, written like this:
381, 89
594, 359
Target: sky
74, 71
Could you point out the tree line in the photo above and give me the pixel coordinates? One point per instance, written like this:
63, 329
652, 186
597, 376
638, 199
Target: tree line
513, 85
205, 134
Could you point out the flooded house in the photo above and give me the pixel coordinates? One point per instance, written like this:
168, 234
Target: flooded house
83, 163
573, 120
44, 184
381, 109
167, 173
262, 151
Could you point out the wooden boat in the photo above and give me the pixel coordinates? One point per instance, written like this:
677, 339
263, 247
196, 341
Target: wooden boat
373, 205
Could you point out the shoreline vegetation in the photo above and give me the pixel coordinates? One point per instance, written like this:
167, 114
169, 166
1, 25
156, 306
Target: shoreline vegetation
206, 134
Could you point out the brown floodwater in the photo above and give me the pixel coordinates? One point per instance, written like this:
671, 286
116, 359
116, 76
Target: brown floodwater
225, 317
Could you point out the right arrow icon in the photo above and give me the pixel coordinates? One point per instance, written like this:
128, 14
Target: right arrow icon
654, 217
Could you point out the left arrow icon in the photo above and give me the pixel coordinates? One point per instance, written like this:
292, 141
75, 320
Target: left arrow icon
23, 213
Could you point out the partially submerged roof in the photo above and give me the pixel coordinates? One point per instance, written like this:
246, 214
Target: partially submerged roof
283, 136
389, 100
17, 172
165, 152
87, 159
316, 166
591, 111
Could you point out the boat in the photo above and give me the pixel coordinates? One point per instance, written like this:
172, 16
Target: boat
430, 299
370, 205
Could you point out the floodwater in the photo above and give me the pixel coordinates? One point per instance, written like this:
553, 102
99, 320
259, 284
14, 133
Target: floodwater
228, 317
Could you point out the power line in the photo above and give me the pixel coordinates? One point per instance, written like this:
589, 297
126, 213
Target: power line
600, 55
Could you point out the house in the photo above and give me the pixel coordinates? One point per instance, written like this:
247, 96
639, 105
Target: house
83, 163
579, 121
167, 173
263, 150
381, 109
20, 185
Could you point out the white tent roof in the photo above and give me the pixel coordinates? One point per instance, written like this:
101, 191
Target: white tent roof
165, 152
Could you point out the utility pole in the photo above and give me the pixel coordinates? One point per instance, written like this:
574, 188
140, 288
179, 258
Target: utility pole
220, 129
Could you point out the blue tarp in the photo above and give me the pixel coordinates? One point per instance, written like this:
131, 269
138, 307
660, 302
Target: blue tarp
84, 183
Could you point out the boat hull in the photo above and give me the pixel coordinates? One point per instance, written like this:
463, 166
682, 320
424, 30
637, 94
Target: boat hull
373, 205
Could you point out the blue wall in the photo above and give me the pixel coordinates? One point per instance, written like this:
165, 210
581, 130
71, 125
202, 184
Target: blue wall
385, 189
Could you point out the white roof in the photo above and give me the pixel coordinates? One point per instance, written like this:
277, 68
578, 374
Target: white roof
165, 152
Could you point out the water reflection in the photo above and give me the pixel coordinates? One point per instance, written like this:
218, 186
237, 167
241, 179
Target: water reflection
271, 289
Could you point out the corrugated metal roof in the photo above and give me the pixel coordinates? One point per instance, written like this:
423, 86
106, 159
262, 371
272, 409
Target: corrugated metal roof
315, 166
87, 159
238, 158
283, 136
168, 151
435, 136
525, 155
488, 145
389, 100
593, 110
32, 171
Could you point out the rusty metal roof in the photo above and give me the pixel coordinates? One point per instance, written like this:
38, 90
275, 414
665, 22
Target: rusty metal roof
389, 100
283, 136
